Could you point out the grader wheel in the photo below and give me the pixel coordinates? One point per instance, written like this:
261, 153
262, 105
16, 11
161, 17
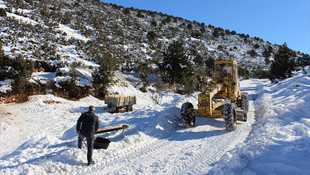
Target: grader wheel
230, 117
187, 119
245, 102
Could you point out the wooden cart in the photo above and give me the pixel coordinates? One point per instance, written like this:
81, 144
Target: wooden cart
119, 103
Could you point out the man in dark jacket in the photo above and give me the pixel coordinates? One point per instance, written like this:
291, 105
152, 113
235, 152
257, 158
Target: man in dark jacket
86, 127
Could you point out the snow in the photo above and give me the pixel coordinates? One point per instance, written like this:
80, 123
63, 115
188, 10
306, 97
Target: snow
40, 138
2, 4
71, 56
5, 86
60, 79
42, 77
72, 33
22, 19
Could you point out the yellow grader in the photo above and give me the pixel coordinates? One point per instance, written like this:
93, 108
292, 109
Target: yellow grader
221, 99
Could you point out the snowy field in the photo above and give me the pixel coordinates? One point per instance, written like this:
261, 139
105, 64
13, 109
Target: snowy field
40, 138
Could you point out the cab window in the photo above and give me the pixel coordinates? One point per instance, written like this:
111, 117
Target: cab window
223, 70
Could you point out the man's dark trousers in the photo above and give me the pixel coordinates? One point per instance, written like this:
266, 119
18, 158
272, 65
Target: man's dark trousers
90, 146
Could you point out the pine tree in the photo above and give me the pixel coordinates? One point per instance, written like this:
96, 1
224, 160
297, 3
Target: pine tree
144, 71
103, 76
177, 68
283, 64
174, 62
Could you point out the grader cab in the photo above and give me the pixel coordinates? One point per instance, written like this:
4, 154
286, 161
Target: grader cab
221, 99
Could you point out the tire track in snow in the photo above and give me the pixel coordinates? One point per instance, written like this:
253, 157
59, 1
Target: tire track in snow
208, 153
114, 160
202, 162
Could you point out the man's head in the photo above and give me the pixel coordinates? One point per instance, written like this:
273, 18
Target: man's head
91, 108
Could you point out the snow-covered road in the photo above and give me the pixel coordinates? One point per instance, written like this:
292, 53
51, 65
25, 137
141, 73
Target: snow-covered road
40, 138
184, 151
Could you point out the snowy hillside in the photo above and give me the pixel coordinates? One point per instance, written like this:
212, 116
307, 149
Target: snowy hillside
40, 138
53, 36
65, 32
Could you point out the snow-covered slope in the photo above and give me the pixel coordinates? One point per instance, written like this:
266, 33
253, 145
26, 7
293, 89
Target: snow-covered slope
39, 138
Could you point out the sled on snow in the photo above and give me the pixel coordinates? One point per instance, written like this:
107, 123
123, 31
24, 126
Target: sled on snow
111, 128
103, 143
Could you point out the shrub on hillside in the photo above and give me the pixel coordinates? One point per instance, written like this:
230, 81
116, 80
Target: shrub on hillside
158, 92
126, 11
29, 1
190, 84
189, 26
144, 70
22, 66
13, 68
244, 73
256, 46
140, 15
69, 89
266, 53
154, 23
303, 61
151, 35
216, 33
2, 12
19, 85
252, 53
197, 34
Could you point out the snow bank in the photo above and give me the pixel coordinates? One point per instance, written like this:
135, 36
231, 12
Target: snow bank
280, 139
42, 77
5, 85
2, 4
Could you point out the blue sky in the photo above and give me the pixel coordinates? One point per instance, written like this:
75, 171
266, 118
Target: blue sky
276, 21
